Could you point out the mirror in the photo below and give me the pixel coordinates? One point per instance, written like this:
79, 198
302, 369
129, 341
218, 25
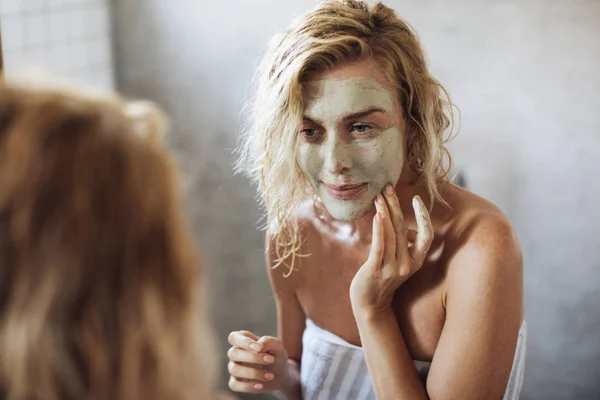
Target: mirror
522, 74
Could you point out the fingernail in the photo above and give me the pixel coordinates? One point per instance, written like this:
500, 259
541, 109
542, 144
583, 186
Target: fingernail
269, 359
269, 375
256, 347
418, 204
380, 199
258, 386
389, 189
416, 199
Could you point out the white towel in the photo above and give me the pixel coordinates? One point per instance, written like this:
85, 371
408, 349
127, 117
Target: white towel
332, 368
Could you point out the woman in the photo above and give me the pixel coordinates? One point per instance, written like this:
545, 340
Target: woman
99, 282
399, 284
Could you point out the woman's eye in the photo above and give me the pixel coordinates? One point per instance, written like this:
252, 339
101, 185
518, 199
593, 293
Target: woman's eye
361, 128
309, 132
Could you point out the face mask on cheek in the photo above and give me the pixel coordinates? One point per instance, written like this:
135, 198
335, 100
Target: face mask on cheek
348, 170
373, 162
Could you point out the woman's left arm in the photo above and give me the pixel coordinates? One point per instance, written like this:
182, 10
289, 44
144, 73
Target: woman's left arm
484, 304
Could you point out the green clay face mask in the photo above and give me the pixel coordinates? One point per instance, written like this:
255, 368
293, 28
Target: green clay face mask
351, 144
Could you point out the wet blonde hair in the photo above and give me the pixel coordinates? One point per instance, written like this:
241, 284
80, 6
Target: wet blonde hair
334, 33
99, 278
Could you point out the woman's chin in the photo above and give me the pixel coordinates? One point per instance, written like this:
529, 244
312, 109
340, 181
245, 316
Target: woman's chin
348, 210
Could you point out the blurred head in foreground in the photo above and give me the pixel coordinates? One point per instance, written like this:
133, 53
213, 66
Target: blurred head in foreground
100, 288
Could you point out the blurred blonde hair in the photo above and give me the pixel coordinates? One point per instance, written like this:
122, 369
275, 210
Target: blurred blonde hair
337, 32
100, 288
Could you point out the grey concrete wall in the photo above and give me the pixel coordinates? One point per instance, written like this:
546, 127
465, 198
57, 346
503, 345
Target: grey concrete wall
525, 76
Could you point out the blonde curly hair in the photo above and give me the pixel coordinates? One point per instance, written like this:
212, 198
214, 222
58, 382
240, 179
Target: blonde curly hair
334, 33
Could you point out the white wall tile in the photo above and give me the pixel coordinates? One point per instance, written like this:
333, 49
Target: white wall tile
94, 21
101, 18
12, 60
32, 5
60, 58
58, 28
10, 6
35, 29
98, 52
66, 37
104, 79
89, 26
12, 31
33, 58
75, 2
54, 4
80, 55
75, 23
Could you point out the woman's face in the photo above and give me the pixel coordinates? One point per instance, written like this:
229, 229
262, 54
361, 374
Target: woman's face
351, 143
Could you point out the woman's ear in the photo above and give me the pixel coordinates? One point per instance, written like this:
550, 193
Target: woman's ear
148, 120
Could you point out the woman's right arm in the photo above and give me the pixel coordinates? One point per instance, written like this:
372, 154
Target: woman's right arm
291, 322
269, 364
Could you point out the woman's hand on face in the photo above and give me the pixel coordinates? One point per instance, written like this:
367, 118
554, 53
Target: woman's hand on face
256, 364
391, 261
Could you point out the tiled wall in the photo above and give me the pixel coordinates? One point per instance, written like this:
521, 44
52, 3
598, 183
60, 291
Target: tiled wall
68, 38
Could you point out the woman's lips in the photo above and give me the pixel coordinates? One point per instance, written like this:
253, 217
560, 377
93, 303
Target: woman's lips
346, 192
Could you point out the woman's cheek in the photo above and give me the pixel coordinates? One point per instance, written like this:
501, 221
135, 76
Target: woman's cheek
310, 161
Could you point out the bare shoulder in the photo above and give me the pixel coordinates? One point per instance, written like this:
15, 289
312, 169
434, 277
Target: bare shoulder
283, 268
481, 238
